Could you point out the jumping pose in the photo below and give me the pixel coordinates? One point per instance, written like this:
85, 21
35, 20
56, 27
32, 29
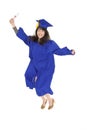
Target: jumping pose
41, 68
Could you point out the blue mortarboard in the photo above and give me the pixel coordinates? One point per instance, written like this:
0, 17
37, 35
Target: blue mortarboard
43, 23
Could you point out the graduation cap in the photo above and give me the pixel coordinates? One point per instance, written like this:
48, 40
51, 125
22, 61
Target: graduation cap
43, 23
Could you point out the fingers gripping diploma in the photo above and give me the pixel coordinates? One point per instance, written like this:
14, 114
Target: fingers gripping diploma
12, 20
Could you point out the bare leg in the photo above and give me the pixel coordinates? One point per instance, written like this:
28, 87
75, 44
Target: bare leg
35, 78
50, 100
44, 102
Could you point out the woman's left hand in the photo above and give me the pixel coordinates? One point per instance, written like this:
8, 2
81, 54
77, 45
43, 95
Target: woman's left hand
73, 52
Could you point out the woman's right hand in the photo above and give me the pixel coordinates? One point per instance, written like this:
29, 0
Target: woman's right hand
12, 22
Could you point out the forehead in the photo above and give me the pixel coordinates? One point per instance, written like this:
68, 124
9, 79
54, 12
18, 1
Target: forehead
42, 29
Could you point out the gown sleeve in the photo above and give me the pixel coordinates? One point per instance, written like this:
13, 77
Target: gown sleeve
59, 51
22, 35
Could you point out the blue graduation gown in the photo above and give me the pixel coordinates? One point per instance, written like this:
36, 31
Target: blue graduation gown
41, 63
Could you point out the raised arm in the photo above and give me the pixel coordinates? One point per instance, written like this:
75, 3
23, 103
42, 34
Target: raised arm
20, 32
13, 25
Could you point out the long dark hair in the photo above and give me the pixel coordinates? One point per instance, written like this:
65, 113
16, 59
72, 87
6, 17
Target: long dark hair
44, 39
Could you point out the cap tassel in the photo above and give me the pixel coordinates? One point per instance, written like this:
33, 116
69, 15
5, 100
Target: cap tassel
37, 25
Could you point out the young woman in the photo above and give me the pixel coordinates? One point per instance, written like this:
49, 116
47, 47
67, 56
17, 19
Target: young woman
40, 71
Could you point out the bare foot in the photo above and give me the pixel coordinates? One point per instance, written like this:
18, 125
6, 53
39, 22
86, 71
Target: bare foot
51, 103
44, 104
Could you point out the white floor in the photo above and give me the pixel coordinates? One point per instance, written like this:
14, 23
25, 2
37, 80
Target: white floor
20, 106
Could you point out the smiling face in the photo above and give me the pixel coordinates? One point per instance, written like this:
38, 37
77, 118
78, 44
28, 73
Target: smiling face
40, 33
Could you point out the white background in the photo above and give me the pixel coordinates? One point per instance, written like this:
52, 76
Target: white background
20, 106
